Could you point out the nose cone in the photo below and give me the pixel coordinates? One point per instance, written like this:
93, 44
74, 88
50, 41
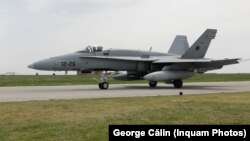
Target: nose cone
31, 66
46, 64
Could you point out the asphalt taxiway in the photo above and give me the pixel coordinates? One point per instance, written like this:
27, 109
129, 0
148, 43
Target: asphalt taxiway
29, 93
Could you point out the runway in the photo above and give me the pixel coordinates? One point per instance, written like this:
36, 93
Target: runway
8, 94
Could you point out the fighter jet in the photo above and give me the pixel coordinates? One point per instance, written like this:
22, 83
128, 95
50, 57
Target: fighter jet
179, 63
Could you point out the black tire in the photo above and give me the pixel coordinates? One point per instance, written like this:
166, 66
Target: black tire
100, 86
178, 83
105, 85
152, 84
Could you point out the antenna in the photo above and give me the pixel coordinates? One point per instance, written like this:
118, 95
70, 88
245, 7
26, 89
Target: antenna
150, 49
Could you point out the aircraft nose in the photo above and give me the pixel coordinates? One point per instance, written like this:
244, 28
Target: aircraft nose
31, 66
46, 64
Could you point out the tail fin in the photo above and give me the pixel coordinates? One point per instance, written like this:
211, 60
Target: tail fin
179, 45
199, 48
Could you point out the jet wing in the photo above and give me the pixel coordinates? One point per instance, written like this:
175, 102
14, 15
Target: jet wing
196, 64
178, 60
226, 61
122, 58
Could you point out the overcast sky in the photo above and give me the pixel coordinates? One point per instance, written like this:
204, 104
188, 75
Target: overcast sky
31, 30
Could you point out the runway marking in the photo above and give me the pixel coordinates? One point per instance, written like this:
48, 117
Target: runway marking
116, 90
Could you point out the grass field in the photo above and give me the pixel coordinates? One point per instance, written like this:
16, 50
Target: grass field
88, 79
88, 119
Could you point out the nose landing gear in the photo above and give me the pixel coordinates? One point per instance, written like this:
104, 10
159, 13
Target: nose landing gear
103, 81
103, 84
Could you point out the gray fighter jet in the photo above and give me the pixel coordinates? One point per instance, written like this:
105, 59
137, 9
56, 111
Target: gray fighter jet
179, 63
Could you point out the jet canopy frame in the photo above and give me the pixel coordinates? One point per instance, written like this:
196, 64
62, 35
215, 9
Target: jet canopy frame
90, 49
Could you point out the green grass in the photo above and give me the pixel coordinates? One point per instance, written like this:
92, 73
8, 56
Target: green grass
88, 119
48, 80
88, 79
212, 77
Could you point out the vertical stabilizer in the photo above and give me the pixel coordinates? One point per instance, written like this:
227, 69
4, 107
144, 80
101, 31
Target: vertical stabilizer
179, 45
199, 48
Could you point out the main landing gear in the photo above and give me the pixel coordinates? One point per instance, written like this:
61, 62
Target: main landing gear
152, 84
177, 83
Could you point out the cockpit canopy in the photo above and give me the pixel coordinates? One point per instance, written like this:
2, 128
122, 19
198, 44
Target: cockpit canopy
89, 49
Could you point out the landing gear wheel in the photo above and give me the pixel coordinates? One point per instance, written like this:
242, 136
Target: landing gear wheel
152, 84
100, 86
104, 85
178, 83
